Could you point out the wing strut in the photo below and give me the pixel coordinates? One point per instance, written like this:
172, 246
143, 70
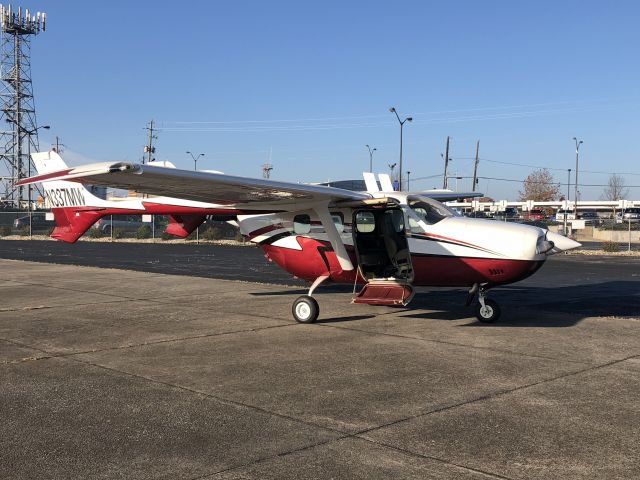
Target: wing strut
334, 237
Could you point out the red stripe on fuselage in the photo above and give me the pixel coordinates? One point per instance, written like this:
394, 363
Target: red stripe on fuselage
435, 237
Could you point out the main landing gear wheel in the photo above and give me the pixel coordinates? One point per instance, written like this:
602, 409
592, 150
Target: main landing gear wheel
489, 312
305, 309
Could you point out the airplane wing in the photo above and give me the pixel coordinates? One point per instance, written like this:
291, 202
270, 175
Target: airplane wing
448, 196
251, 193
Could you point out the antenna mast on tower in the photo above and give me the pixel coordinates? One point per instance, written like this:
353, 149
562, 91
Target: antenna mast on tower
18, 126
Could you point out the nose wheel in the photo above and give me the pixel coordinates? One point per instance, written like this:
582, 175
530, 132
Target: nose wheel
487, 311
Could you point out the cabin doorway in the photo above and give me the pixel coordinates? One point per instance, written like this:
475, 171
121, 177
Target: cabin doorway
382, 249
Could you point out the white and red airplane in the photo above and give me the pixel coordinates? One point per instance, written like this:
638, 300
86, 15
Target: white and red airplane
76, 209
389, 241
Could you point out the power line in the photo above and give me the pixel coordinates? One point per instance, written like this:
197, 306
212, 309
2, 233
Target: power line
548, 183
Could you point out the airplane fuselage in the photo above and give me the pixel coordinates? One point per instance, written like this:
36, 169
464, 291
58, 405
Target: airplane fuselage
447, 251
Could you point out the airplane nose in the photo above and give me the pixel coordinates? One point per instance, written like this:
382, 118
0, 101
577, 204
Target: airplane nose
561, 243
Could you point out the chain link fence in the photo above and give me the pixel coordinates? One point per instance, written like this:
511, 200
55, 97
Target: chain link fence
112, 227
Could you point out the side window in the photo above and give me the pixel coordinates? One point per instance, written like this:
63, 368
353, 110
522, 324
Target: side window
397, 220
301, 224
365, 222
338, 221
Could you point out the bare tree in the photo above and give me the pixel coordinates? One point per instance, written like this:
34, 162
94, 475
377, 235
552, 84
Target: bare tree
616, 189
540, 186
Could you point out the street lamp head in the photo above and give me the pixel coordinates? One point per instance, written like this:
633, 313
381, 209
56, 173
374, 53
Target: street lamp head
409, 119
188, 152
367, 146
392, 109
375, 149
46, 127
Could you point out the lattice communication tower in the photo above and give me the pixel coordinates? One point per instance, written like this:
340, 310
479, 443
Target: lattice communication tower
18, 126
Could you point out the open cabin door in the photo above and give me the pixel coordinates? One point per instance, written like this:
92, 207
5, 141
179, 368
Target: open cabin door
383, 255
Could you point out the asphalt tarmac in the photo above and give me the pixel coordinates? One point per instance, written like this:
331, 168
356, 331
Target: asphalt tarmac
146, 361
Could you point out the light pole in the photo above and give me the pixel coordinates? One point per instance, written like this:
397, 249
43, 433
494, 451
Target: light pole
371, 157
566, 210
575, 195
408, 184
195, 169
195, 159
401, 122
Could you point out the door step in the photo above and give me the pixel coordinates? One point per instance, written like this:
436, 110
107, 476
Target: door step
385, 292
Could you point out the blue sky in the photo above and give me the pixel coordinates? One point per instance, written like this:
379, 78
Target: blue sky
309, 84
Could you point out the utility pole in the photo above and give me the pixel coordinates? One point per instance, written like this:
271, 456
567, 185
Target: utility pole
58, 145
475, 167
149, 149
445, 182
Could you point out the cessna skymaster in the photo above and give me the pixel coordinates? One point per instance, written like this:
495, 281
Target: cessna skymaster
387, 240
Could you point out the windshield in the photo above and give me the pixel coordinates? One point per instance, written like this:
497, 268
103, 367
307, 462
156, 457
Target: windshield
427, 210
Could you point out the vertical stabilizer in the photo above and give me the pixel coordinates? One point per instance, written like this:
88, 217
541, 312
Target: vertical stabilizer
370, 182
74, 207
60, 193
385, 182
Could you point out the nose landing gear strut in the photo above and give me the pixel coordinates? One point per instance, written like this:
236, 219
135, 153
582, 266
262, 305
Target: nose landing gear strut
487, 310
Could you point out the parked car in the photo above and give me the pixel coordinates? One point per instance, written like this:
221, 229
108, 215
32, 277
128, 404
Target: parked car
631, 215
560, 215
510, 213
38, 222
535, 214
105, 225
478, 215
590, 218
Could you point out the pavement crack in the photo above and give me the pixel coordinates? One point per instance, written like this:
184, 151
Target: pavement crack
456, 344
170, 340
440, 460
217, 398
497, 394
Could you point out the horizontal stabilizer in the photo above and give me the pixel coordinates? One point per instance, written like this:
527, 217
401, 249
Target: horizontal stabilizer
183, 225
72, 223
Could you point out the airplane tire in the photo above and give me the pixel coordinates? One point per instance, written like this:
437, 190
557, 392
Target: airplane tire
305, 309
489, 313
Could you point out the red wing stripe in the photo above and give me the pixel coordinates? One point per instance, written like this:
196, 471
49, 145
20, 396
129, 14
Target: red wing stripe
45, 176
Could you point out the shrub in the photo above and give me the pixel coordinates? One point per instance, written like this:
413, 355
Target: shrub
610, 246
239, 237
212, 233
143, 232
166, 236
24, 231
5, 230
95, 233
118, 233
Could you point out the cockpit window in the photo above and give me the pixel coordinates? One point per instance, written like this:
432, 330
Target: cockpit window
427, 210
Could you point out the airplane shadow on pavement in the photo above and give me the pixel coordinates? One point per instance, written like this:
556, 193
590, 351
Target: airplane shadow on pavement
522, 306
